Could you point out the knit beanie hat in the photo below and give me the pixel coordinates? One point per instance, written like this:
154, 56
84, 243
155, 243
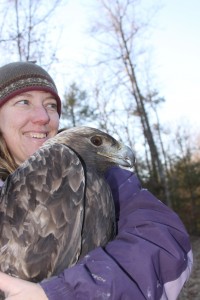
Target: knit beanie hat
19, 77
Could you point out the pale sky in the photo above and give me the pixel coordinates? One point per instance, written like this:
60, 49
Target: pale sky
175, 53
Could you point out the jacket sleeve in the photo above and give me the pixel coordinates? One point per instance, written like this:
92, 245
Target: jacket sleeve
150, 258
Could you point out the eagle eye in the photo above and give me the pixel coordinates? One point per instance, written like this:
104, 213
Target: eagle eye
96, 140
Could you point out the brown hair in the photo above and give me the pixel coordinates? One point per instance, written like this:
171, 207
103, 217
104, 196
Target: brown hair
7, 163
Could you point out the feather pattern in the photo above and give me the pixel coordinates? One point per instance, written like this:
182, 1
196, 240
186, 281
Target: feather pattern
56, 206
41, 214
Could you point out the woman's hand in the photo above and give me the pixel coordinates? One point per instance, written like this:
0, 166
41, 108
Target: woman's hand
18, 289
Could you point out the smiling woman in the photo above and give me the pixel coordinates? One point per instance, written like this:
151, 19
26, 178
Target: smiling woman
37, 120
29, 112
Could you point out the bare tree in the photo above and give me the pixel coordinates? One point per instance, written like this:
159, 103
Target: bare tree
25, 30
118, 31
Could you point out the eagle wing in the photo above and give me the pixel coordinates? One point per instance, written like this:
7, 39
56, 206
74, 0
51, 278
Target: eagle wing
99, 220
41, 214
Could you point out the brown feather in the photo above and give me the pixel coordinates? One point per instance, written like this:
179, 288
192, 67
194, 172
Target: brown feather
42, 213
56, 207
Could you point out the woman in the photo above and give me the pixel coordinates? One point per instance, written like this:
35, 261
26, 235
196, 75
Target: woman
150, 257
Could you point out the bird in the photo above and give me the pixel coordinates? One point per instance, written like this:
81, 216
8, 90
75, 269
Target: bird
57, 206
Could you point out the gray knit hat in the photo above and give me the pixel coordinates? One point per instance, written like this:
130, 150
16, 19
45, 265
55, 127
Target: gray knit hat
19, 77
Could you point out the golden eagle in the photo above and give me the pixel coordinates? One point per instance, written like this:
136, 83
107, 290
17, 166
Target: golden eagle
56, 206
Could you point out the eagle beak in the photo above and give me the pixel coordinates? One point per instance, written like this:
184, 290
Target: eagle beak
124, 156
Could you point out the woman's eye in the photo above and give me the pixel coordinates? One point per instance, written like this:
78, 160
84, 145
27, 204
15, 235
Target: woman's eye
52, 106
23, 102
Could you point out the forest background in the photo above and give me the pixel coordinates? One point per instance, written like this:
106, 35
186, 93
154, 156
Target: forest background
101, 56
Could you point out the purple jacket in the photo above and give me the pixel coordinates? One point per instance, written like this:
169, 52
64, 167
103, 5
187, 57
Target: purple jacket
150, 258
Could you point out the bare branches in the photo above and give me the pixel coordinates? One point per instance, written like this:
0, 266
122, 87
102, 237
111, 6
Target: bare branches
27, 37
117, 32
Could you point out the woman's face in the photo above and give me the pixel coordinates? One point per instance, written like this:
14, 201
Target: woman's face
27, 121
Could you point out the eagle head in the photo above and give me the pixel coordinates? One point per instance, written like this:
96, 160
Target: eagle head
96, 148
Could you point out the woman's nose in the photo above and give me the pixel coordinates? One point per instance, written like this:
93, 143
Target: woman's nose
40, 115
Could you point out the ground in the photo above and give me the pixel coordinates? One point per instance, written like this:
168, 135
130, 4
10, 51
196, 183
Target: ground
191, 291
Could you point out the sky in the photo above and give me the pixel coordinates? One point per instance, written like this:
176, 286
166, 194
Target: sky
175, 45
